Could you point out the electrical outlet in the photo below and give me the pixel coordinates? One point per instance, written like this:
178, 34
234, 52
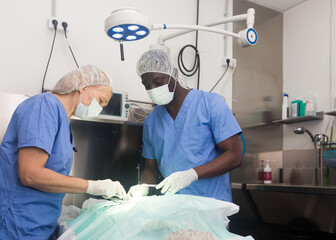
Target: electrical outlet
233, 62
59, 25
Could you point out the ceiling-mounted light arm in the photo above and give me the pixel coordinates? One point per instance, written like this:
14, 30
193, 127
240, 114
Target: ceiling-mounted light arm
193, 28
131, 25
249, 17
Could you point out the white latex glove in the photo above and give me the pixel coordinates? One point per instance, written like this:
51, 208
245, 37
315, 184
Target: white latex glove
177, 181
106, 188
138, 191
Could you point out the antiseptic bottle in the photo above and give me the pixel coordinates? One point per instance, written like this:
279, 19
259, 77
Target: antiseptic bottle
285, 106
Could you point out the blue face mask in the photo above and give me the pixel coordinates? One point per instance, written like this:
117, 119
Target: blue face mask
90, 111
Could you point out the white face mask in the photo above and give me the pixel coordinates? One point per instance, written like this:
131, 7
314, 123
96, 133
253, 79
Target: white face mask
161, 95
90, 111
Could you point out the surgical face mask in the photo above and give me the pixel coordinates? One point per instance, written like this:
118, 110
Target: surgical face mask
161, 95
90, 111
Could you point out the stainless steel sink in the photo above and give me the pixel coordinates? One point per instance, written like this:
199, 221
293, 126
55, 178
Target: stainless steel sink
281, 203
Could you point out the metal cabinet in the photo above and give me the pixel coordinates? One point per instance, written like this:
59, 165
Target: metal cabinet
105, 150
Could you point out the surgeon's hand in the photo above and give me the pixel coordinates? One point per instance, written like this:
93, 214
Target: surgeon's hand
177, 181
106, 188
138, 191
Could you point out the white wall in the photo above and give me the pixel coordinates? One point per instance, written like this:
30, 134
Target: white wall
307, 65
26, 41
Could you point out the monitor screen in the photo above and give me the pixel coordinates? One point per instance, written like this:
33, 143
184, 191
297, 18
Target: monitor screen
114, 106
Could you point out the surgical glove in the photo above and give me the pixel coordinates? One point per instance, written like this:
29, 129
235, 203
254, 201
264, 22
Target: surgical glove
177, 181
106, 188
138, 191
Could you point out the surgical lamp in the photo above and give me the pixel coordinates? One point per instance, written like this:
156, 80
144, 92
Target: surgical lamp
129, 24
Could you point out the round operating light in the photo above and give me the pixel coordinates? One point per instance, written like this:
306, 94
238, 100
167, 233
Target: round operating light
247, 37
133, 27
118, 29
141, 33
131, 37
251, 36
131, 23
117, 35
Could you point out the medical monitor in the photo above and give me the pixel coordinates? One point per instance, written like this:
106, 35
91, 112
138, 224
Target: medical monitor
117, 108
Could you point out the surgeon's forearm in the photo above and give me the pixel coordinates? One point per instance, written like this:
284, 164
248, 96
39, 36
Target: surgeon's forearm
229, 159
224, 163
32, 173
51, 181
148, 176
151, 172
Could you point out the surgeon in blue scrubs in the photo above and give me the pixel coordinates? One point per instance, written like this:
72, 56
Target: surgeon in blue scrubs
36, 155
191, 137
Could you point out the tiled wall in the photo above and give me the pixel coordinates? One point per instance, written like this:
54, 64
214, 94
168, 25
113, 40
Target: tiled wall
294, 167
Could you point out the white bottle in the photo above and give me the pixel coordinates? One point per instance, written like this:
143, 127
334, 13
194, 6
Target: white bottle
310, 109
285, 106
267, 173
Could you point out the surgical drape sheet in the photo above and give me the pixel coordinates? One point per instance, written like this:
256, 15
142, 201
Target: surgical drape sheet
155, 217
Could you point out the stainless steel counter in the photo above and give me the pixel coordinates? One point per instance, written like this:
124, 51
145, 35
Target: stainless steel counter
293, 188
238, 185
294, 204
102, 120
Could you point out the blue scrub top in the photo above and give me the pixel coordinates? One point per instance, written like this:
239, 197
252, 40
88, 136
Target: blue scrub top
190, 140
27, 213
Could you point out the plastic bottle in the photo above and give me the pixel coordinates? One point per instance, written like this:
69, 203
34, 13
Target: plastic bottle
285, 106
295, 106
267, 114
261, 172
267, 173
310, 105
302, 108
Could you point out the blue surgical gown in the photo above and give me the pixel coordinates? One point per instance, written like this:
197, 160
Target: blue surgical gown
190, 140
27, 213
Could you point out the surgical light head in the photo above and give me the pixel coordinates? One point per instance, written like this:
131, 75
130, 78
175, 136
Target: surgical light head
247, 37
127, 25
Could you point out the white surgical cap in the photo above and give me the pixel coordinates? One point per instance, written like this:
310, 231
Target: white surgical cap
88, 75
155, 60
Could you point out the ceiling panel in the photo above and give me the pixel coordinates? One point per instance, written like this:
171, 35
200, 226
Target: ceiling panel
278, 5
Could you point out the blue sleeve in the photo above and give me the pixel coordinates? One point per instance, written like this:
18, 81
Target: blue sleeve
147, 149
37, 125
223, 123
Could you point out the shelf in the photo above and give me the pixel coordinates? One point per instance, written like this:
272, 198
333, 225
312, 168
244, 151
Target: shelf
319, 116
257, 125
333, 113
